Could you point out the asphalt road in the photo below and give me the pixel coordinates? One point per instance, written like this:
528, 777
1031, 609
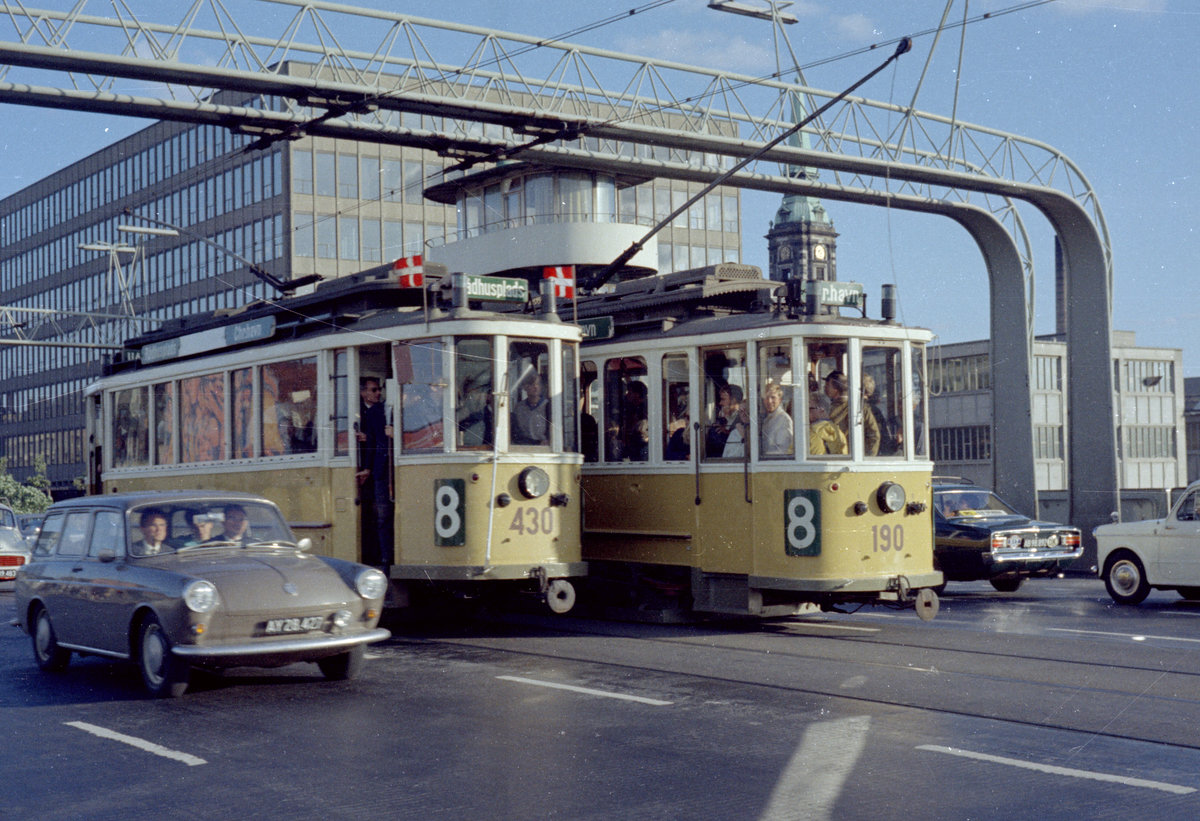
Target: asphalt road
1050, 703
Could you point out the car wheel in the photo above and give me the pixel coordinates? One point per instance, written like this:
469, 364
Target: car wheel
1190, 593
344, 666
1125, 579
164, 675
46, 652
1007, 585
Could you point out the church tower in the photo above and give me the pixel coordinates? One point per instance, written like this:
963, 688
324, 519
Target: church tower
801, 243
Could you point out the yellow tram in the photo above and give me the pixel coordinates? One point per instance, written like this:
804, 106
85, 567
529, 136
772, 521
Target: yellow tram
754, 452
478, 483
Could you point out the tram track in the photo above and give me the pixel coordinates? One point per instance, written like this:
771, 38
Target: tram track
1024, 680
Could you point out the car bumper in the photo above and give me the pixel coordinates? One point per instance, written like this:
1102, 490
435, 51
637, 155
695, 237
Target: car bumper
1014, 559
283, 650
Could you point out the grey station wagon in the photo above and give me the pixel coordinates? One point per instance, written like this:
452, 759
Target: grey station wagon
175, 580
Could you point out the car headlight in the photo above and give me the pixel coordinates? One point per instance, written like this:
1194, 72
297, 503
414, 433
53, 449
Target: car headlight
371, 584
200, 596
890, 497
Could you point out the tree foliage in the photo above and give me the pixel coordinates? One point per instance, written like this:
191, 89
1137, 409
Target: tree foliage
30, 497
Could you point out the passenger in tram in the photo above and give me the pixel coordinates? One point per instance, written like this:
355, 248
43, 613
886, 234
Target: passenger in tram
888, 444
776, 426
530, 417
635, 423
837, 390
736, 419
474, 410
678, 446
374, 477
824, 437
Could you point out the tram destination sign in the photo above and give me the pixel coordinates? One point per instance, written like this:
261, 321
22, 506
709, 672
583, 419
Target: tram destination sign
497, 289
210, 340
600, 327
838, 294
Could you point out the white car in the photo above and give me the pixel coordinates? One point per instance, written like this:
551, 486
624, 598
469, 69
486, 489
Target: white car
14, 553
1163, 554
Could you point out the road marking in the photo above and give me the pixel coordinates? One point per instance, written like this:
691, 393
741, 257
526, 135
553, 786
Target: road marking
1067, 771
828, 626
141, 744
654, 702
812, 781
1131, 636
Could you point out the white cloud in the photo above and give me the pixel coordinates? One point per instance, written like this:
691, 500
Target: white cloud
713, 50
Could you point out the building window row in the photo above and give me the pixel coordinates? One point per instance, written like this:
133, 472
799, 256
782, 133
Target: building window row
1148, 442
1146, 375
964, 444
960, 373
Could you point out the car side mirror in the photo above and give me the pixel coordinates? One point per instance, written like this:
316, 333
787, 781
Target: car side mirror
106, 555
304, 544
1114, 517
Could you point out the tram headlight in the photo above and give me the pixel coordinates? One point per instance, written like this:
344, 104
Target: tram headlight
533, 482
890, 497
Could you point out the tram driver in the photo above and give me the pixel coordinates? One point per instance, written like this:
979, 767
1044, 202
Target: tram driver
531, 416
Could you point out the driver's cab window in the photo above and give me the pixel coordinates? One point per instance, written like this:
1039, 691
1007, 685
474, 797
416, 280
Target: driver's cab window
529, 393
473, 392
828, 414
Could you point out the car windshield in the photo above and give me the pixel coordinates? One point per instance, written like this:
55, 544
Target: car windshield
963, 503
164, 528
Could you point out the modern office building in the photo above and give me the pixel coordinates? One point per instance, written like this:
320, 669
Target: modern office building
292, 208
1149, 387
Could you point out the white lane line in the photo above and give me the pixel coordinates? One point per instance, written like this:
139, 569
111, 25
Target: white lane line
586, 691
812, 781
1067, 771
141, 744
827, 626
1130, 636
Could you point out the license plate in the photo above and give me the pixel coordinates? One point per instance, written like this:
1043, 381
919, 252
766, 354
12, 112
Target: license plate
303, 625
8, 572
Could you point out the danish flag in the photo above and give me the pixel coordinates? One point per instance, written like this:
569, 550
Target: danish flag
563, 277
411, 271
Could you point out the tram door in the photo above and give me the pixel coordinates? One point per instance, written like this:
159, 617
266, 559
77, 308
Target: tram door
724, 524
374, 463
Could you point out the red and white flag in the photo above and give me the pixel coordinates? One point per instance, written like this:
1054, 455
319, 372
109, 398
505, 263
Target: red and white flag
563, 277
411, 271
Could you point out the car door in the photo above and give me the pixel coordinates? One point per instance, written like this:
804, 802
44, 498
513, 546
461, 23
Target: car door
64, 590
1179, 545
110, 592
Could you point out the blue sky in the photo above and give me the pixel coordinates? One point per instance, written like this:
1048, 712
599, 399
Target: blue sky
1110, 83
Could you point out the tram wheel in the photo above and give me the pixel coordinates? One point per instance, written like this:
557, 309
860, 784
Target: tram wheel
927, 604
560, 596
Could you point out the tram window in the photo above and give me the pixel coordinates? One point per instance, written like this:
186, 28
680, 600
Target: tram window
202, 407
776, 396
626, 419
883, 405
241, 383
529, 389
589, 430
422, 384
727, 419
828, 398
570, 395
473, 392
131, 410
289, 405
164, 423
920, 444
677, 419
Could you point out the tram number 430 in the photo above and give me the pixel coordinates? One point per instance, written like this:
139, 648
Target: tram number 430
449, 519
